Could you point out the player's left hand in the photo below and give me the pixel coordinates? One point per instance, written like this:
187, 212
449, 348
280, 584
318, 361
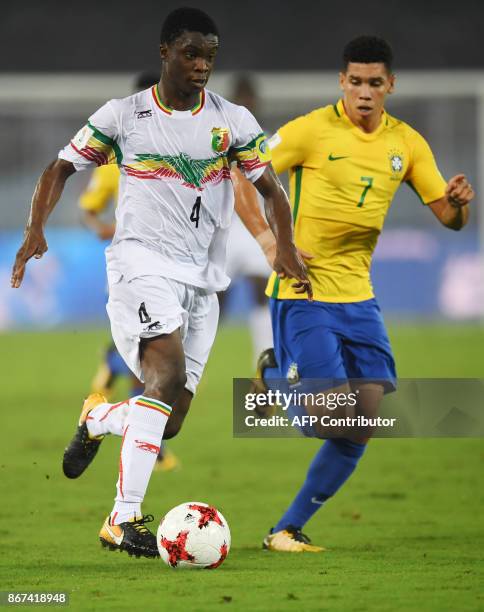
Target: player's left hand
34, 245
459, 191
288, 263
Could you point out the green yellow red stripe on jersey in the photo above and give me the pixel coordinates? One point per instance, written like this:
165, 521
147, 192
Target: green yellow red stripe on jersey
168, 110
99, 148
254, 154
148, 402
193, 173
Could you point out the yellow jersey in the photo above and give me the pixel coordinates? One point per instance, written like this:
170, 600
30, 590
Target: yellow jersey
102, 189
341, 182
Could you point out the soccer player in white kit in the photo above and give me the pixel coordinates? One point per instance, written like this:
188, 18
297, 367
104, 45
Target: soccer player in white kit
174, 144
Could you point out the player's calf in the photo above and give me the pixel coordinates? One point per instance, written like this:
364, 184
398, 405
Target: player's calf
370, 396
163, 366
178, 414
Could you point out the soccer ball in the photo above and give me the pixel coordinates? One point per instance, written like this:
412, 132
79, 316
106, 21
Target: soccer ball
193, 535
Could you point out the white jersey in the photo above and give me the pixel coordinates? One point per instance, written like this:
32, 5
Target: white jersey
175, 196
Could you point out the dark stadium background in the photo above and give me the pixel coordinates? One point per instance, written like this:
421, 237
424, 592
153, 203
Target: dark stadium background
269, 35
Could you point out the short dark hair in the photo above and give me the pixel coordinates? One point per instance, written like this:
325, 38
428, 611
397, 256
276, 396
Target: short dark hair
146, 79
186, 19
368, 50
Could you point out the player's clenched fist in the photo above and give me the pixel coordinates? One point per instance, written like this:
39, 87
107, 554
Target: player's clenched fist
459, 191
34, 245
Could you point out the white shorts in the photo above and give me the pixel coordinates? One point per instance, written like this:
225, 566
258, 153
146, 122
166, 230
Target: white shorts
148, 306
244, 255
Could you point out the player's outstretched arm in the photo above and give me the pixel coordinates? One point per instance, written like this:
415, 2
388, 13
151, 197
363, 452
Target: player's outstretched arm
288, 262
46, 195
248, 210
452, 210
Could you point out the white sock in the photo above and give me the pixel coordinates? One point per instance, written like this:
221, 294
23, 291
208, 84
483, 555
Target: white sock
260, 330
108, 418
144, 427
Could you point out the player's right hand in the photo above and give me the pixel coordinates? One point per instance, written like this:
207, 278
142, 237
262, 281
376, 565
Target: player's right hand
459, 191
34, 245
288, 263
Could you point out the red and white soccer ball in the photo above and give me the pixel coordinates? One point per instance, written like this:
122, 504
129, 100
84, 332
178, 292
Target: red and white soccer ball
193, 535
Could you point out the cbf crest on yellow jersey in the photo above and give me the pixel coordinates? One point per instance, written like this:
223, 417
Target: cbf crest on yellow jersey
342, 182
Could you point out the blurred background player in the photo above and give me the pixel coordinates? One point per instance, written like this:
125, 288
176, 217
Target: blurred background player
243, 260
101, 192
345, 162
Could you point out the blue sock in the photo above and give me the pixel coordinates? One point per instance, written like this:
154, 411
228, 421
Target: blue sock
334, 463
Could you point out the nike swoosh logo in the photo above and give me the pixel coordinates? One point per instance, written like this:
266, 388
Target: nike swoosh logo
332, 157
316, 501
117, 539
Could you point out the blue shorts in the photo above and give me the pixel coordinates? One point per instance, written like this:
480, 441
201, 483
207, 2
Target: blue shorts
322, 340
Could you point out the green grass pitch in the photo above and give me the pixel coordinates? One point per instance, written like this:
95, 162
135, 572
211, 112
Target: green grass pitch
405, 533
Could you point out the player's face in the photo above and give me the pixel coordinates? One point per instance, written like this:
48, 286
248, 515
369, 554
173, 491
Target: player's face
189, 60
365, 87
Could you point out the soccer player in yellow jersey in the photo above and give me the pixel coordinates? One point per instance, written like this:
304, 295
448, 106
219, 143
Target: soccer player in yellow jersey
345, 163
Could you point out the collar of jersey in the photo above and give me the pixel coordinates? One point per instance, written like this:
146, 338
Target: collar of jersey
171, 111
341, 112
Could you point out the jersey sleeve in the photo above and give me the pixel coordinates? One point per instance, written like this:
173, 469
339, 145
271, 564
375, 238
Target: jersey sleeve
101, 190
423, 175
249, 147
289, 145
96, 143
